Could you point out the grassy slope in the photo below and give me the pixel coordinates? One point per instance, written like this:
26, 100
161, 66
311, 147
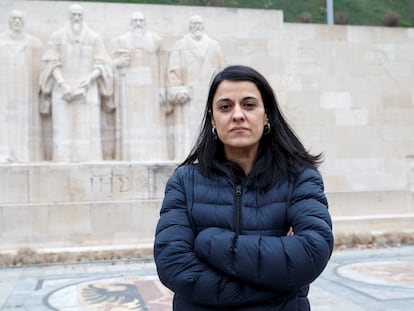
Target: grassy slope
360, 12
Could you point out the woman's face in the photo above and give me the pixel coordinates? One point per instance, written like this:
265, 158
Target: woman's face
238, 114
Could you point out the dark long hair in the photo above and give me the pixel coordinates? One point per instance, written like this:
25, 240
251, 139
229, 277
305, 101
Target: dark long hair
280, 152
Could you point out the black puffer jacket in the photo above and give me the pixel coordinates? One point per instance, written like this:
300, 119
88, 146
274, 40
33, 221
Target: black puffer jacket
222, 246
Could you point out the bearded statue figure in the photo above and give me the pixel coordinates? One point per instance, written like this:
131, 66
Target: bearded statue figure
76, 83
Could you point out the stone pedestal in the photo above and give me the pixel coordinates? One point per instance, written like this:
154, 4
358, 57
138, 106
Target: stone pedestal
371, 212
74, 205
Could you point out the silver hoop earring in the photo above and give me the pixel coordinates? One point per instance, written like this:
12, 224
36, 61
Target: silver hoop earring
266, 129
214, 132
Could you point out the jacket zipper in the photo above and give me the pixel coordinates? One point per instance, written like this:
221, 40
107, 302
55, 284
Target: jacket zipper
237, 209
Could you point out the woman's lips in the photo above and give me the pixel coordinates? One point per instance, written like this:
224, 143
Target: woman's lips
238, 129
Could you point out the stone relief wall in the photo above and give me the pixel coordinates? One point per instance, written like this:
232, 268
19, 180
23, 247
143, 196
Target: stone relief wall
128, 101
20, 134
355, 83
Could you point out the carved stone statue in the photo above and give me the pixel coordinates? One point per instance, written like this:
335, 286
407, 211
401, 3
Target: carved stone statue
194, 57
19, 119
136, 56
192, 61
76, 83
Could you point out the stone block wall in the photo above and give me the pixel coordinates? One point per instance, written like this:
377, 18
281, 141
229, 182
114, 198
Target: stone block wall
68, 205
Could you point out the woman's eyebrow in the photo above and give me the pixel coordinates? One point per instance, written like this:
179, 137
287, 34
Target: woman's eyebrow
249, 97
228, 99
223, 99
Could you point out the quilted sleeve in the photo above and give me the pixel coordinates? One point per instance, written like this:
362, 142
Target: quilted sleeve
181, 270
278, 263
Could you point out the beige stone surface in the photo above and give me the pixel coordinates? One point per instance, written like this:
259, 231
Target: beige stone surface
19, 71
66, 205
347, 91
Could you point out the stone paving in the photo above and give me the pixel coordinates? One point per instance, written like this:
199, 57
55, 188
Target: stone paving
354, 280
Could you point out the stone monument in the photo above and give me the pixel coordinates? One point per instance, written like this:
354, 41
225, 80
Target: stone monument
136, 58
192, 61
19, 69
76, 83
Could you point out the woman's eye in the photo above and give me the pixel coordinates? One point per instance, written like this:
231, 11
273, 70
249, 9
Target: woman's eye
225, 107
249, 105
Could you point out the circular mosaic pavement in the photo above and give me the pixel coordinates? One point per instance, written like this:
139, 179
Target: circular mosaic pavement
386, 273
137, 293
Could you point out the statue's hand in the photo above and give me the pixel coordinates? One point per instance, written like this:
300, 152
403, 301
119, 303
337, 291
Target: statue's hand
121, 58
79, 93
122, 61
66, 92
183, 97
178, 95
85, 83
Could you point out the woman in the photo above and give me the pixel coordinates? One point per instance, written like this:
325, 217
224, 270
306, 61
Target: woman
244, 223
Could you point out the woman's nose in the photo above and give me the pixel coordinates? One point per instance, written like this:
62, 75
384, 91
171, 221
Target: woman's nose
238, 113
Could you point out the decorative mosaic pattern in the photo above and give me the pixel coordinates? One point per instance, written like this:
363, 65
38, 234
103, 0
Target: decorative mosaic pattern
400, 273
137, 293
